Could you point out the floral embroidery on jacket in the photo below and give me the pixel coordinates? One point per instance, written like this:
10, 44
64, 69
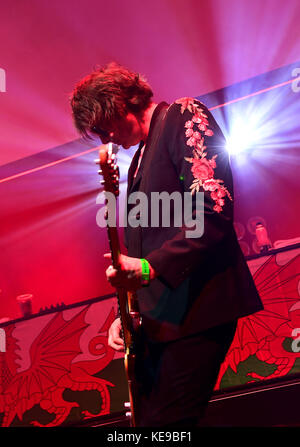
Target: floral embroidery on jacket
202, 167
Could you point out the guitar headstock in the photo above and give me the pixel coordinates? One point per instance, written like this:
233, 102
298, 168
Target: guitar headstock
109, 168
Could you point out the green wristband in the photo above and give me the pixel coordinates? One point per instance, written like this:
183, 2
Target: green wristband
145, 272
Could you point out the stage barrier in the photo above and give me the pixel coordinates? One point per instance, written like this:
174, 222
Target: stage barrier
56, 367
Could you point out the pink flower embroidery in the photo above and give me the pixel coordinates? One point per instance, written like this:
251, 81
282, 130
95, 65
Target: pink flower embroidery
202, 167
189, 124
197, 135
189, 132
191, 141
210, 185
217, 208
217, 195
196, 119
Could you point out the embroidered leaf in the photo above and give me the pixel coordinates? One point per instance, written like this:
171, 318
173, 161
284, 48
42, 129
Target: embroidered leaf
186, 103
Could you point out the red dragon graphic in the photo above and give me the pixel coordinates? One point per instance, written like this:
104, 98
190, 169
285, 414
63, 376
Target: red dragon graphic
268, 334
52, 369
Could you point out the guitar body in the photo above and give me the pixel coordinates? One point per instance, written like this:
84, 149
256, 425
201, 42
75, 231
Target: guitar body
127, 301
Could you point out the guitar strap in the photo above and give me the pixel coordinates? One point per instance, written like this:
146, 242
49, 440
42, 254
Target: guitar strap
138, 182
155, 134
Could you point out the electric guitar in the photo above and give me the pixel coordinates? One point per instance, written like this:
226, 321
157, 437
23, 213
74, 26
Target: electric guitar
127, 301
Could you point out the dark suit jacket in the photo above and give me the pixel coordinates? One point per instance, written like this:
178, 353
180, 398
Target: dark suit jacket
203, 282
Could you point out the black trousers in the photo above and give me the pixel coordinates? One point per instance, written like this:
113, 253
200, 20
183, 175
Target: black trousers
176, 379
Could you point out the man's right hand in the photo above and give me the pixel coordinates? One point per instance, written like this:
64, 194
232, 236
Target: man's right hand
114, 336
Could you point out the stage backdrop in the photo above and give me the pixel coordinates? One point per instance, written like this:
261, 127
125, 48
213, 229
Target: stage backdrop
50, 244
57, 368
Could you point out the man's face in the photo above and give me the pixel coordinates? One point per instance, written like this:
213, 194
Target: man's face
126, 132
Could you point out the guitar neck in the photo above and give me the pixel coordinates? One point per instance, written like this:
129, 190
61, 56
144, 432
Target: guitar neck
114, 244
127, 301
124, 301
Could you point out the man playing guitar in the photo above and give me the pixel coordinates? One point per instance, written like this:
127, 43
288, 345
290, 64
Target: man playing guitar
190, 290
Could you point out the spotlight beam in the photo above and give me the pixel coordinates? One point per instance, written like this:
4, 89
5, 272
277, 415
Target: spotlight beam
30, 171
255, 93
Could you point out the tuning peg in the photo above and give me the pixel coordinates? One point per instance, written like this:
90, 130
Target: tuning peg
97, 161
102, 182
100, 172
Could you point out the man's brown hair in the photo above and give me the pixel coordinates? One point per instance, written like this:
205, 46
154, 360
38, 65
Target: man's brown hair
107, 94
